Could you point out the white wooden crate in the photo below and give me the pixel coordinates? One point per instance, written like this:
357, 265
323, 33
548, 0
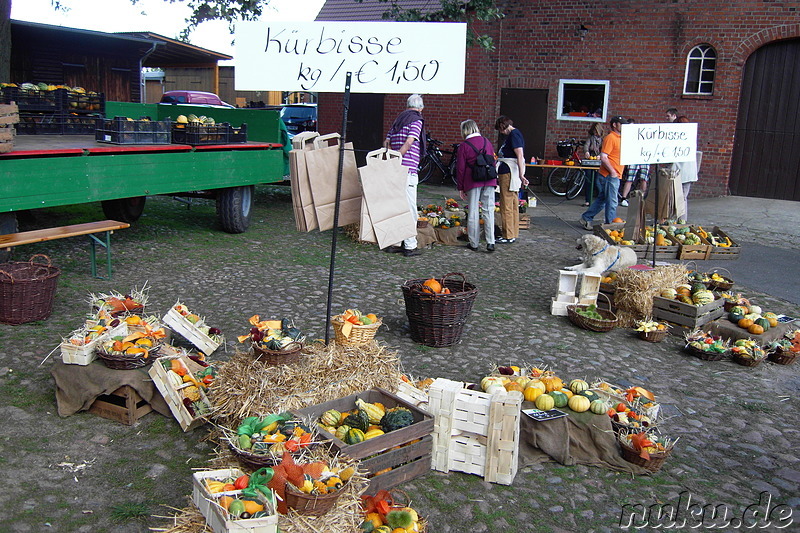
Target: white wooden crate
217, 517
172, 394
189, 331
475, 432
72, 354
412, 395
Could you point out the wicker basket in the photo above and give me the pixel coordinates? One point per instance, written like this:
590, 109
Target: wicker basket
124, 361
653, 464
783, 357
292, 354
746, 361
27, 290
608, 322
705, 356
253, 460
438, 319
653, 336
310, 504
358, 334
721, 285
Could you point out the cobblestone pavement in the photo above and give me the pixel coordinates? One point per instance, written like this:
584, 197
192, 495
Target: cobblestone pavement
737, 426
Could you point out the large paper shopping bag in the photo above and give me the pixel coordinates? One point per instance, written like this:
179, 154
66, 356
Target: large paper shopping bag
322, 164
384, 182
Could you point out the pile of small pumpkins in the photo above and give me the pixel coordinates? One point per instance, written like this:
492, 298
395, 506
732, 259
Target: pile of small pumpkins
434, 286
695, 294
752, 318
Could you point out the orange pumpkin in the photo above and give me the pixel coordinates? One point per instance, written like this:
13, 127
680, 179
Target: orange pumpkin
772, 321
434, 285
755, 329
744, 323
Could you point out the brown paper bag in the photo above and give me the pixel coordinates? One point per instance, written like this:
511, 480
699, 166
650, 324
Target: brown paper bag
384, 181
304, 215
322, 164
634, 225
670, 194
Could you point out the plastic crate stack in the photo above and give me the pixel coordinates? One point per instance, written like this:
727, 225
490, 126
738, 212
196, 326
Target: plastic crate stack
55, 112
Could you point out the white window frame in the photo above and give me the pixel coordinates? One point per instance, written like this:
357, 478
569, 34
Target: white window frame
560, 105
704, 49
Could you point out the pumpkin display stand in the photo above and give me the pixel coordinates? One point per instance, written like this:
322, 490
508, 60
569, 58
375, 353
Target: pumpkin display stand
653, 464
290, 355
356, 335
438, 319
607, 323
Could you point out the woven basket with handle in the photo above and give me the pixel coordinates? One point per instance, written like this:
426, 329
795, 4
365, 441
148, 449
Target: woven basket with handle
27, 290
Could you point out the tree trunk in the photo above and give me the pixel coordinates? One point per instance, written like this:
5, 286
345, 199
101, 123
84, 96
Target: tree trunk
5, 41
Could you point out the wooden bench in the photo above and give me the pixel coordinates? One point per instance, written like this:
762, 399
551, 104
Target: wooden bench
107, 227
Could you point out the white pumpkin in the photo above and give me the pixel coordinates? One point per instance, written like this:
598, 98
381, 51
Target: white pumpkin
755, 309
490, 380
496, 388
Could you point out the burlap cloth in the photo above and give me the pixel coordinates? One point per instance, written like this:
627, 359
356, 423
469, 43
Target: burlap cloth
77, 386
580, 438
732, 332
447, 236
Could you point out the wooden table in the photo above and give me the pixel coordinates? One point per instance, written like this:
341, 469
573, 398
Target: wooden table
579, 167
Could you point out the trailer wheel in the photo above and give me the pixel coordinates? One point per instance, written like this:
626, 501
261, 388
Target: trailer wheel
8, 224
234, 205
124, 209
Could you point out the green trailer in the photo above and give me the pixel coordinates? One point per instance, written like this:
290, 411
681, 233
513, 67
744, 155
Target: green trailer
54, 170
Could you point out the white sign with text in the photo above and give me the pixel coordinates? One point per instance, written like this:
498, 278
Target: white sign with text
658, 143
384, 57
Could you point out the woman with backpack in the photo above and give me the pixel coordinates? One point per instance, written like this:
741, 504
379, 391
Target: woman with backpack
479, 195
511, 175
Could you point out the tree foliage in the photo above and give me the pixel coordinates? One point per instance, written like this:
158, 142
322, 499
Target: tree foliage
451, 10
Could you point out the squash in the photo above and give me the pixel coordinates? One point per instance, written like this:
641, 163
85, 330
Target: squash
513, 386
566, 392
537, 383
772, 322
669, 293
374, 412
763, 322
559, 398
396, 418
735, 317
531, 393
752, 316
744, 323
341, 432
755, 329
372, 433
522, 380
495, 388
740, 310
579, 403
660, 240
359, 420
698, 287
591, 395
354, 436
489, 380
703, 297
552, 383
545, 402
755, 309
434, 285
331, 417
598, 407
578, 385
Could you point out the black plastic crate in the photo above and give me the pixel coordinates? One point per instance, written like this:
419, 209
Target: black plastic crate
41, 101
84, 103
74, 124
120, 130
205, 134
31, 123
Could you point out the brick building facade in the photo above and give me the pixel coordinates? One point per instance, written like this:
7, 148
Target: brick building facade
641, 50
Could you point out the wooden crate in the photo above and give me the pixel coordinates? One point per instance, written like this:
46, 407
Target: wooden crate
643, 251
217, 517
724, 252
608, 290
172, 394
123, 405
411, 394
685, 314
524, 221
389, 459
475, 432
189, 331
84, 355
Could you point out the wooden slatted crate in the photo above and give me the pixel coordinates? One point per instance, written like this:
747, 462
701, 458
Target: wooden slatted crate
475, 432
685, 314
217, 517
389, 459
123, 405
9, 116
189, 331
172, 394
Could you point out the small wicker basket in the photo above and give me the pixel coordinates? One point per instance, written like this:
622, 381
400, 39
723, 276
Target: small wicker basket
310, 504
783, 357
357, 336
290, 355
751, 361
607, 323
654, 336
125, 361
704, 355
653, 464
725, 285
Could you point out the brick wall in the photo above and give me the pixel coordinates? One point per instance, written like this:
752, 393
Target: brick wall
639, 47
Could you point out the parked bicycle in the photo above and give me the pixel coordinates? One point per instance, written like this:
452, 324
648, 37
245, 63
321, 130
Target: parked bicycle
434, 160
567, 180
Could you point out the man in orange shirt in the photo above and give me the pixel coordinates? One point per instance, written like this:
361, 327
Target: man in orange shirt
610, 173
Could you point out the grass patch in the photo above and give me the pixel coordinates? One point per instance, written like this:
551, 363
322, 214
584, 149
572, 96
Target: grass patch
501, 315
127, 511
756, 407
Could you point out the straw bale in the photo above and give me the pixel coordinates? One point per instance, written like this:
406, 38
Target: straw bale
635, 290
246, 387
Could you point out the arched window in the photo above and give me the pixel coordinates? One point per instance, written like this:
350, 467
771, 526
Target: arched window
701, 66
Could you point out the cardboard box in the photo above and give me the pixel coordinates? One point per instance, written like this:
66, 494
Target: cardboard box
172, 394
390, 459
217, 517
475, 432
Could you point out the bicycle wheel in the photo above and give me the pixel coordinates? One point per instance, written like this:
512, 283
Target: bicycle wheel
451, 172
576, 178
558, 181
426, 169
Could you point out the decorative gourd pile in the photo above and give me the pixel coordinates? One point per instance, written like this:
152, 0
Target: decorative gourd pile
748, 349
366, 421
705, 342
752, 318
272, 434
695, 294
188, 385
649, 325
684, 235
715, 240
274, 335
138, 343
618, 236
357, 318
383, 515
244, 497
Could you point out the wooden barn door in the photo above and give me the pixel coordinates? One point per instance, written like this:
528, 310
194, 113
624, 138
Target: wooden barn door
528, 109
766, 158
365, 124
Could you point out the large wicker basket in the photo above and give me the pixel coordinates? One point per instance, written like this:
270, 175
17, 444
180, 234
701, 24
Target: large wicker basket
607, 323
747, 361
653, 464
358, 334
290, 355
27, 290
310, 504
438, 319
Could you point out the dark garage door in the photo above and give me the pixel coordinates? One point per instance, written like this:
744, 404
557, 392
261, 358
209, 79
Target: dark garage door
766, 159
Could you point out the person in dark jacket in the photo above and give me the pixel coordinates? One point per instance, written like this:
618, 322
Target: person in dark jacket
479, 195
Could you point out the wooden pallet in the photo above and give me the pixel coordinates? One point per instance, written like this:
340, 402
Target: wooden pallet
123, 405
475, 432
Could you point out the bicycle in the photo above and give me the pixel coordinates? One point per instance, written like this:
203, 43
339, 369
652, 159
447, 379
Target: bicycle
432, 161
567, 181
